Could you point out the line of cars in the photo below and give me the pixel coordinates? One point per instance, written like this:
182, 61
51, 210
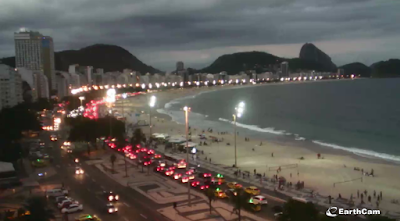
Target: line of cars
203, 181
65, 203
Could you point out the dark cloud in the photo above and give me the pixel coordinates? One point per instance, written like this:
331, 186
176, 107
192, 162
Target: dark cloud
160, 32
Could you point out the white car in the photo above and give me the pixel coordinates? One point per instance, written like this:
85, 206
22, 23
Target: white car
56, 192
72, 208
111, 208
64, 203
260, 199
78, 171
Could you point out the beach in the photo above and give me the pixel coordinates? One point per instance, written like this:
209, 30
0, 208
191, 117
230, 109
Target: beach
332, 174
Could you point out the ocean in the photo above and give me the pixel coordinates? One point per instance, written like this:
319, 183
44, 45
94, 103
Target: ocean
360, 116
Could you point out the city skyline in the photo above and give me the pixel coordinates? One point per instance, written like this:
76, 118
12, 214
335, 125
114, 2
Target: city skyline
162, 32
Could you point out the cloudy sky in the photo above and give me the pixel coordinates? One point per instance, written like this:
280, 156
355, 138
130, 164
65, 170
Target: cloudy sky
161, 32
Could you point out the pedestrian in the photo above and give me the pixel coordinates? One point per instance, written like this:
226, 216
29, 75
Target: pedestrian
365, 192
369, 198
340, 196
329, 199
362, 196
374, 193
254, 171
210, 159
351, 197
290, 175
358, 194
272, 154
377, 204
381, 195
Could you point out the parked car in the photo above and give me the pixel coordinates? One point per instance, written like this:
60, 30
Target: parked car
72, 208
56, 192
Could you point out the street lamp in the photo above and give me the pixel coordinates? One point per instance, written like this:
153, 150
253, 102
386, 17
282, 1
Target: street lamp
124, 96
81, 98
187, 110
110, 99
238, 113
152, 103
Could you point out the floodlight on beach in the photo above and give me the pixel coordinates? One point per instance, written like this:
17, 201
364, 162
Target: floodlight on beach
150, 86
240, 109
124, 95
239, 112
187, 110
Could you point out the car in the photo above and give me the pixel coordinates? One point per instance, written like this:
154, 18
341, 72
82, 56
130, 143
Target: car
255, 206
160, 169
234, 185
111, 196
64, 203
161, 163
204, 175
87, 217
260, 199
195, 183
157, 156
69, 150
190, 172
111, 208
181, 164
131, 156
177, 176
59, 199
220, 178
56, 192
213, 183
79, 171
53, 137
185, 179
147, 163
220, 194
72, 208
169, 172
150, 152
252, 190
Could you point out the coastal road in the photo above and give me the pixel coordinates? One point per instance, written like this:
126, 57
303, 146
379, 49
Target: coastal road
89, 187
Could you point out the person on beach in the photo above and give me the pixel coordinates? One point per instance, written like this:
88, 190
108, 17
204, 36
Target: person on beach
272, 154
254, 171
261, 143
374, 193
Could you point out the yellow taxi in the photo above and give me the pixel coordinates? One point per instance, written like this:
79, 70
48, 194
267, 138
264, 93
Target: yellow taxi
220, 194
220, 179
255, 206
234, 185
252, 190
87, 217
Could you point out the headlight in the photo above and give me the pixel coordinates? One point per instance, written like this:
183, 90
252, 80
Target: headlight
77, 172
110, 198
110, 210
116, 197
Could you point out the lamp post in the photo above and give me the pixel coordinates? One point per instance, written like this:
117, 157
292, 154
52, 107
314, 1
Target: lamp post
124, 96
187, 109
238, 113
81, 98
110, 100
152, 103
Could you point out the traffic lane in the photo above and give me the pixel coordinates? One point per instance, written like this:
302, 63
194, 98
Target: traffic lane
89, 193
137, 203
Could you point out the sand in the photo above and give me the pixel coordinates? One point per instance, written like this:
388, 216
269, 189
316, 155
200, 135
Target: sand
317, 174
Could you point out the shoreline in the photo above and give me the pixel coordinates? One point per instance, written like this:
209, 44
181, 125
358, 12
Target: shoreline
286, 152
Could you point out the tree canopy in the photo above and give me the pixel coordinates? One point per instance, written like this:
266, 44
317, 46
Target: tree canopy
37, 206
294, 210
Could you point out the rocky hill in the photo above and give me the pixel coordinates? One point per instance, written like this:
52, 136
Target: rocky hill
389, 68
356, 68
108, 57
311, 53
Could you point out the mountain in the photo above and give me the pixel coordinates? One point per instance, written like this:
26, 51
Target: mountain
357, 68
389, 68
242, 61
108, 57
299, 64
311, 53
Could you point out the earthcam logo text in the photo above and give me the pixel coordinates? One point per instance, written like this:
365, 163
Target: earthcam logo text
334, 211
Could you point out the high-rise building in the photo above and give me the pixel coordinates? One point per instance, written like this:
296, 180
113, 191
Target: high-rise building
284, 69
42, 84
10, 86
35, 52
180, 66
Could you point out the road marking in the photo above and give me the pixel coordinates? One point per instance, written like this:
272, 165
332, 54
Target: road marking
127, 205
143, 216
93, 180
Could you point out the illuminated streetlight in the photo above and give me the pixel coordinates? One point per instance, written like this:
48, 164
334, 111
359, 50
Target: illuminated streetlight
152, 103
238, 113
81, 98
187, 110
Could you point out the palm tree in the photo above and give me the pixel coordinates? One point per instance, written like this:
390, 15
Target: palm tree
37, 206
137, 137
240, 200
113, 158
210, 193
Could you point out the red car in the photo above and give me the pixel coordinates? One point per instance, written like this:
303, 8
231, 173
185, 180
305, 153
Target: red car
160, 169
169, 172
150, 152
177, 176
157, 156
